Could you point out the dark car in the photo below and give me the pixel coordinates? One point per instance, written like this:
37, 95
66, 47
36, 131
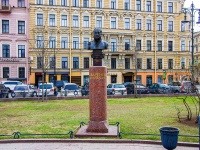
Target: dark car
85, 89
141, 89
159, 88
59, 84
3, 91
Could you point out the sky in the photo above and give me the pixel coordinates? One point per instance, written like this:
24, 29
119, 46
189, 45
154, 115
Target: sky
197, 6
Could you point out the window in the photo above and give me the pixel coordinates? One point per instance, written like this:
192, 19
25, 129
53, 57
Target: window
86, 62
51, 20
148, 25
75, 43
113, 4
6, 51
113, 23
75, 21
40, 42
170, 79
113, 45
127, 4
64, 77
159, 63
113, 79
139, 63
86, 21
39, 2
85, 43
21, 51
170, 26
21, 3
21, 27
99, 22
40, 62
5, 26
170, 45
148, 6
182, 45
21, 72
75, 62
64, 42
51, 2
159, 25
63, 2
138, 5
149, 61
64, 20
75, 3
127, 63
5, 72
52, 42
127, 23
160, 79
113, 63
64, 62
127, 44
182, 27
159, 44
39, 19
170, 63
182, 63
85, 3
52, 62
138, 24
170, 7
159, 6
138, 45
148, 45
99, 3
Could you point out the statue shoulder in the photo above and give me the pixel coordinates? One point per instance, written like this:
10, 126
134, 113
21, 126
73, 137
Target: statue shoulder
105, 44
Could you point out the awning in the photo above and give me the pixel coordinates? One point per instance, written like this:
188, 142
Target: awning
128, 73
16, 79
57, 72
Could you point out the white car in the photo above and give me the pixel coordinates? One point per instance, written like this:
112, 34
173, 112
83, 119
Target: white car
23, 91
70, 89
11, 84
48, 89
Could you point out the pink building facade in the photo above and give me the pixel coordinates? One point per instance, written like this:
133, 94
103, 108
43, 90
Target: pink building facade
14, 60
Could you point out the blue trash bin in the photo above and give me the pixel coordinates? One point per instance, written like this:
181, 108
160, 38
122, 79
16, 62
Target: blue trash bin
169, 137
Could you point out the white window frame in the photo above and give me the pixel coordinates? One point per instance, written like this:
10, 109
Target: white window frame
129, 21
65, 45
113, 45
101, 21
63, 23
182, 45
86, 24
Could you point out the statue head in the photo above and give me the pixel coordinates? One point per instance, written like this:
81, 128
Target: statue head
97, 34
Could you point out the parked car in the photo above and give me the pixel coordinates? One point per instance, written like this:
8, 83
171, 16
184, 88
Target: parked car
11, 84
159, 88
85, 89
70, 89
3, 91
188, 87
141, 89
48, 89
23, 91
60, 84
115, 88
175, 87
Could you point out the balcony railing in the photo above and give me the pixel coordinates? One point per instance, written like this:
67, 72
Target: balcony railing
5, 8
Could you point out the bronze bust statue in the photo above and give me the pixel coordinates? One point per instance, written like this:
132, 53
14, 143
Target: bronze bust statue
98, 43
97, 46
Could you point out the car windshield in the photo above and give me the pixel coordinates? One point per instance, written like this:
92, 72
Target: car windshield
21, 88
163, 85
119, 86
46, 86
71, 87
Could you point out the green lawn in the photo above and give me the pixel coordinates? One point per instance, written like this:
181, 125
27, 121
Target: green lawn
136, 115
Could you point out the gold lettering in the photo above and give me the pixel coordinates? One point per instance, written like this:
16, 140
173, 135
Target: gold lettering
97, 76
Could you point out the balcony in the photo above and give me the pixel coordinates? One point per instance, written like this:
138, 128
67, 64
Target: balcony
5, 9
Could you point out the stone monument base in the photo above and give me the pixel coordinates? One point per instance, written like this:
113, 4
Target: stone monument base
112, 132
97, 126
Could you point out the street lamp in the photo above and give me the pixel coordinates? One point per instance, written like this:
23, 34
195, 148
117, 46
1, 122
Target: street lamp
54, 62
191, 11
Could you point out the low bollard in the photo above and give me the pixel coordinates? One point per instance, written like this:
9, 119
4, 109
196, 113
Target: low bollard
169, 137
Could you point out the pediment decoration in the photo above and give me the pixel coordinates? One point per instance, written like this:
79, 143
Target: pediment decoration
139, 16
100, 12
160, 17
113, 13
75, 12
39, 10
86, 13
52, 10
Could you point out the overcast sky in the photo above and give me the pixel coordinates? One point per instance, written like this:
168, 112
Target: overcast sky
197, 5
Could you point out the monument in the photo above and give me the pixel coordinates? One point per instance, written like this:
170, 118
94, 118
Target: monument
98, 123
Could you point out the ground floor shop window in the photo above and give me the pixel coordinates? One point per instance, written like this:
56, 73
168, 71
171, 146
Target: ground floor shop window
113, 79
65, 77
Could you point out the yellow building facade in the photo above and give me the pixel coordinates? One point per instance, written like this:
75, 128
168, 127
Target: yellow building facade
197, 55
146, 40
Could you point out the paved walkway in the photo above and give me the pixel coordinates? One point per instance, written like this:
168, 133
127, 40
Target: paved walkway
86, 146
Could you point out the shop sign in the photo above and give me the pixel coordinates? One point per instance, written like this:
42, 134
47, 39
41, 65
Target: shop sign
9, 59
